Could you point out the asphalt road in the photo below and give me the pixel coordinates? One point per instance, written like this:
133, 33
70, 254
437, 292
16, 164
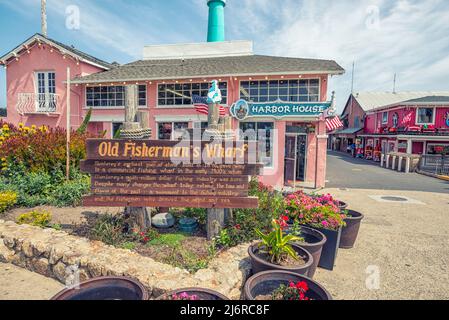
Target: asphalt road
344, 171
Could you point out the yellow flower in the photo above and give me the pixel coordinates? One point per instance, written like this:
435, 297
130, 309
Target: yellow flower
21, 125
33, 127
2, 138
6, 135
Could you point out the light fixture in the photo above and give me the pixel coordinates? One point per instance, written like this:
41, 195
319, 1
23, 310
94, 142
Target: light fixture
282, 77
235, 79
266, 78
151, 82
250, 78
191, 80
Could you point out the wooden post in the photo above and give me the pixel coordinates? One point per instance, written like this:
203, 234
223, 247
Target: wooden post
68, 126
140, 216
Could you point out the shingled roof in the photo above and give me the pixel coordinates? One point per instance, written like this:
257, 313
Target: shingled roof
62, 47
248, 65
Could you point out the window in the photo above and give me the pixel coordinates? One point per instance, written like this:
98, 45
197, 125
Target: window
181, 93
425, 116
116, 127
112, 96
46, 90
356, 122
395, 120
262, 132
285, 90
435, 149
171, 130
385, 117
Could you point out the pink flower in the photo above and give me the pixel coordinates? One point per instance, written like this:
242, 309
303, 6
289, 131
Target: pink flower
325, 223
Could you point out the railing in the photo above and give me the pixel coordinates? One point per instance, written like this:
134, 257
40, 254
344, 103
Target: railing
435, 164
37, 103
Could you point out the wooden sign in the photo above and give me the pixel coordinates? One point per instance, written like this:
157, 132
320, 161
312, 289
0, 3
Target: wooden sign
146, 173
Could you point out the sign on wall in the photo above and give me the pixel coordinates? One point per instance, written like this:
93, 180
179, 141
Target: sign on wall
147, 173
243, 109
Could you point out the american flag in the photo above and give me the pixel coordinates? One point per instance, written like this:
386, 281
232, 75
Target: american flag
201, 106
333, 123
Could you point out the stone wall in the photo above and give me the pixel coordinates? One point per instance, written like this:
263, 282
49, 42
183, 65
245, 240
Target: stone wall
57, 254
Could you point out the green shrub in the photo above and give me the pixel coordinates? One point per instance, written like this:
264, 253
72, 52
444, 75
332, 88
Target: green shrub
7, 200
70, 192
38, 218
109, 229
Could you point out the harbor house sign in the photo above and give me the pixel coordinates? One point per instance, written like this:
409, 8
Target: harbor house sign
278, 109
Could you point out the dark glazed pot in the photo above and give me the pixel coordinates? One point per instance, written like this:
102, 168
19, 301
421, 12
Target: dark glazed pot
202, 294
314, 241
264, 283
258, 264
342, 205
351, 230
330, 248
105, 288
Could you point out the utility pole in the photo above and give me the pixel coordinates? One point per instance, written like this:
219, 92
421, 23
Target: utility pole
352, 77
394, 83
44, 17
68, 126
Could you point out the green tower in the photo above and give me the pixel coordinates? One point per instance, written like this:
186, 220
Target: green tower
216, 28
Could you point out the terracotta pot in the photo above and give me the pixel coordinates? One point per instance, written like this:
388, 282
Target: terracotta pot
314, 241
264, 283
258, 264
201, 293
105, 288
351, 230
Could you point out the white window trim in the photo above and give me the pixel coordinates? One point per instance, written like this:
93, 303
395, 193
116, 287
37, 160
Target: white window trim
184, 106
385, 112
280, 79
424, 123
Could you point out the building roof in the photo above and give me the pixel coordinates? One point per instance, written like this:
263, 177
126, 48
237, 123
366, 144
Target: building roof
250, 65
65, 49
371, 101
347, 131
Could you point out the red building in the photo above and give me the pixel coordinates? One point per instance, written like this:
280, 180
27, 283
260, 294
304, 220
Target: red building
405, 122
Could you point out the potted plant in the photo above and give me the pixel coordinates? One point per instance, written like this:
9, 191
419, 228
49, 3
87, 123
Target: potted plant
313, 241
105, 288
322, 214
277, 251
192, 294
283, 285
351, 230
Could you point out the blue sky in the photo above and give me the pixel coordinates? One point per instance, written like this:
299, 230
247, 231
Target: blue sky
383, 37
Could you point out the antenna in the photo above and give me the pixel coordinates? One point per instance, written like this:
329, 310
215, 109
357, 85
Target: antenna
352, 79
44, 17
394, 83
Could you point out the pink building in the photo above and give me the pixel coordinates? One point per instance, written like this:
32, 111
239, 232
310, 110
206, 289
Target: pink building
167, 78
406, 122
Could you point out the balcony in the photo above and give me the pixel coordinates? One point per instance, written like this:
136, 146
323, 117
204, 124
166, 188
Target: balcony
38, 104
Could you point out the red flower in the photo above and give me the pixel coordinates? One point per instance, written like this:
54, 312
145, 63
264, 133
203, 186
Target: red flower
238, 227
302, 286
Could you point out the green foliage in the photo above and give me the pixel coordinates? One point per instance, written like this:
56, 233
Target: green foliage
70, 193
128, 245
110, 230
169, 239
183, 258
199, 213
38, 218
7, 200
277, 245
83, 128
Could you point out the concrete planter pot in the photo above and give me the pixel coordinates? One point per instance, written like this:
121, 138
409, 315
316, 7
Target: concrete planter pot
201, 293
314, 241
259, 265
106, 288
351, 230
264, 283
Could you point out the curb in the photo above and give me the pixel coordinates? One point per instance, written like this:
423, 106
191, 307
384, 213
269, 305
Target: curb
441, 177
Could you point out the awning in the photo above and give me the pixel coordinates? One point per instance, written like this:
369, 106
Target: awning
348, 131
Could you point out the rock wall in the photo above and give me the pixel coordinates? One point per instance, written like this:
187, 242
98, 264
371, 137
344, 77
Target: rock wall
59, 255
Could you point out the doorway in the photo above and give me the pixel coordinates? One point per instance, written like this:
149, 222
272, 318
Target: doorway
295, 158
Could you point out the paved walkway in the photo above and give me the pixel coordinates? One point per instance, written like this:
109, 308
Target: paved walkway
20, 284
343, 171
405, 244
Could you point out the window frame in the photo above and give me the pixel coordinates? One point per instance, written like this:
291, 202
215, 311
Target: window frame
116, 106
278, 89
49, 103
425, 123
271, 166
385, 121
188, 106
172, 128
